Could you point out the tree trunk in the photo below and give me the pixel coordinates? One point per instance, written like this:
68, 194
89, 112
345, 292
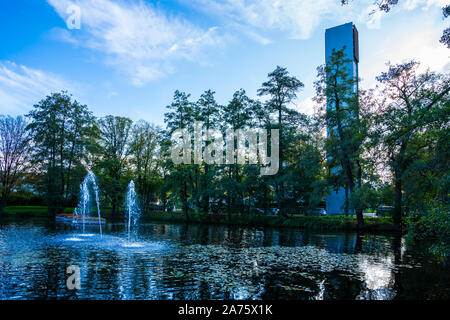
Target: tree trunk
359, 212
229, 207
346, 201
398, 175
184, 199
229, 196
359, 218
205, 186
398, 201
3, 203
114, 209
265, 199
280, 186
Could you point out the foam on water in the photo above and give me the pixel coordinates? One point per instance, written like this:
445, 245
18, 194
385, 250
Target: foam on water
105, 241
73, 239
132, 245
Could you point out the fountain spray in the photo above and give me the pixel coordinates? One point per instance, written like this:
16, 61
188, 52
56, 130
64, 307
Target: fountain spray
84, 208
132, 210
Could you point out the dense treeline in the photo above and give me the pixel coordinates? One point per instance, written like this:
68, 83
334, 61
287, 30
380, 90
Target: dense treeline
385, 146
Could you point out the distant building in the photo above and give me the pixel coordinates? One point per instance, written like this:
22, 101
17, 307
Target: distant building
341, 37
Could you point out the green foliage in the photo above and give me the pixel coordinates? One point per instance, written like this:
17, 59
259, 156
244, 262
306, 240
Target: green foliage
329, 223
60, 128
431, 230
374, 136
144, 152
411, 123
282, 89
112, 163
364, 197
180, 116
31, 211
26, 209
340, 112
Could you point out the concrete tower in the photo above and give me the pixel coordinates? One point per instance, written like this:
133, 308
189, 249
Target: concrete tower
337, 38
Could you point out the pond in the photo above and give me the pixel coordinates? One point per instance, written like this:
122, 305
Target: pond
178, 261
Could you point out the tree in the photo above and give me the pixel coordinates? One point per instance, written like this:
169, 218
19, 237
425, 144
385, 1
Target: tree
237, 114
411, 104
165, 165
206, 110
282, 90
338, 94
308, 174
15, 151
59, 127
180, 116
144, 158
114, 143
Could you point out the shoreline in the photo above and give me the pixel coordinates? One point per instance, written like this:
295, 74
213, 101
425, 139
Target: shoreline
299, 222
313, 223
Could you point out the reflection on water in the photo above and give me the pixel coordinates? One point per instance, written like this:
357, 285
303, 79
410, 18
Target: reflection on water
212, 262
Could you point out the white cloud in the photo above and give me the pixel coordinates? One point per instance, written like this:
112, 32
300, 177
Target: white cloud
418, 42
138, 39
306, 106
298, 19
425, 4
22, 87
371, 16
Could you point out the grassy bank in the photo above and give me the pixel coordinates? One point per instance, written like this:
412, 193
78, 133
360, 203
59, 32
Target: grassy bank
328, 223
35, 213
30, 211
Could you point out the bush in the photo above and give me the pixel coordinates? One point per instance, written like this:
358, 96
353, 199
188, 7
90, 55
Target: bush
432, 230
24, 198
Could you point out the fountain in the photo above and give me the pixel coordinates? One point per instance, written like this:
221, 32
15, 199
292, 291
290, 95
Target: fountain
132, 210
85, 205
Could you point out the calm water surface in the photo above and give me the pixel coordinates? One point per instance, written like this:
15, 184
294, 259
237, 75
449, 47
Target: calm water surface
168, 261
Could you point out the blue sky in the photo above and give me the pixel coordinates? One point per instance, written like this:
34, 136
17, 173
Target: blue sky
129, 56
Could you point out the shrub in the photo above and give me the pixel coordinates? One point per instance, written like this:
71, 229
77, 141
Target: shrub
432, 230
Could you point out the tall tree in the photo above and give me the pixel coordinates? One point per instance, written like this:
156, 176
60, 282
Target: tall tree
114, 142
165, 165
282, 90
307, 174
144, 158
336, 91
59, 126
180, 116
411, 103
15, 151
237, 114
207, 111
